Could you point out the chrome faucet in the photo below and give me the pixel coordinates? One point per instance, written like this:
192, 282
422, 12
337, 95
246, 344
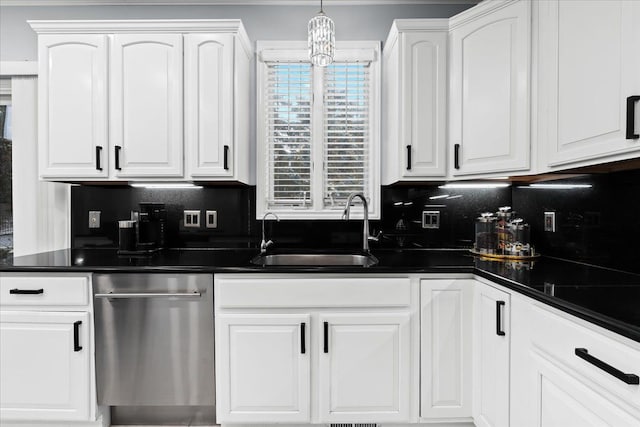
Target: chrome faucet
365, 230
264, 245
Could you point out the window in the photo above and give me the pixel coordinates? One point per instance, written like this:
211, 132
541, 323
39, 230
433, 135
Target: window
6, 211
318, 130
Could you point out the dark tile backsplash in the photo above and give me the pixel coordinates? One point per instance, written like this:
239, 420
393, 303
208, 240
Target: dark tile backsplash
599, 225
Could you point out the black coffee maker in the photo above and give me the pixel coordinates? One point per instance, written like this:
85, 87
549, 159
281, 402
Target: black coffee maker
145, 233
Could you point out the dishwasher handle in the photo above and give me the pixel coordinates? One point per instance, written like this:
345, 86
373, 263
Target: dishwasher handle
131, 295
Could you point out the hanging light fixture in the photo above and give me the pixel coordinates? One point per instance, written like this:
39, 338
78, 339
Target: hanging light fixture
322, 39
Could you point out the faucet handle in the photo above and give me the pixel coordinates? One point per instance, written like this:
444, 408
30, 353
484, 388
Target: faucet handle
377, 237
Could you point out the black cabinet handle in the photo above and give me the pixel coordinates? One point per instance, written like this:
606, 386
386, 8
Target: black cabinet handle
76, 335
98, 156
632, 379
408, 157
303, 348
456, 156
499, 305
118, 148
631, 116
326, 337
226, 158
26, 291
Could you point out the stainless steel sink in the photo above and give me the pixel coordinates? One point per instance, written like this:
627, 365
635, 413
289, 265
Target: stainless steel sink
347, 260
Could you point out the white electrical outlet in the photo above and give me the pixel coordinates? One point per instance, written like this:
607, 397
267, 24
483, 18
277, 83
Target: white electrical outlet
192, 219
431, 219
211, 219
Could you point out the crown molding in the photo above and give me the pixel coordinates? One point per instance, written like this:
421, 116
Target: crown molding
136, 26
227, 2
18, 68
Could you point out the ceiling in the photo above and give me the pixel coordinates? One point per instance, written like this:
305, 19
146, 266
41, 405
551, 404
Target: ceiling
225, 2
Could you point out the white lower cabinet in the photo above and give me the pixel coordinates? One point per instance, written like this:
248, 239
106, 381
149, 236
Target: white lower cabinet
291, 349
446, 356
267, 377
553, 387
492, 337
47, 369
364, 370
44, 365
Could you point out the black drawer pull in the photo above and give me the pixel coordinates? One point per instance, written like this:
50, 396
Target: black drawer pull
326, 337
76, 335
632, 379
118, 148
98, 156
456, 156
631, 117
226, 158
303, 348
499, 305
408, 157
26, 291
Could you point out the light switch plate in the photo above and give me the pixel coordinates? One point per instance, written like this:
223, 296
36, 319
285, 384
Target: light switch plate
550, 222
211, 220
192, 219
94, 219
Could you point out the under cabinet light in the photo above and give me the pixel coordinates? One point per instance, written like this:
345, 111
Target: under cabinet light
443, 196
167, 186
477, 185
559, 186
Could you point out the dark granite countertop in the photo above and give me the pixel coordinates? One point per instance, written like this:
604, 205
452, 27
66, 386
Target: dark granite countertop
608, 298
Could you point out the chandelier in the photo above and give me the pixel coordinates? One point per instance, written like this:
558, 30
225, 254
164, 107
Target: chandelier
322, 39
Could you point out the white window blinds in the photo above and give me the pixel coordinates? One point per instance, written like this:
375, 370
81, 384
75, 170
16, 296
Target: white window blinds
346, 131
288, 104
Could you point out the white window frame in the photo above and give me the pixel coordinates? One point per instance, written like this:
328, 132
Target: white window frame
293, 51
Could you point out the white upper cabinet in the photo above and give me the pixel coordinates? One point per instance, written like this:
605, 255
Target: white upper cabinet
216, 106
164, 116
489, 88
73, 106
415, 100
588, 68
146, 105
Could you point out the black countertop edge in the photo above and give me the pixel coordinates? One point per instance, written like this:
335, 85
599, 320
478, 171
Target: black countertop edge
601, 320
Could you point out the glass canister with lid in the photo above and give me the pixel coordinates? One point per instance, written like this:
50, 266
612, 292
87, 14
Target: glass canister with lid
486, 238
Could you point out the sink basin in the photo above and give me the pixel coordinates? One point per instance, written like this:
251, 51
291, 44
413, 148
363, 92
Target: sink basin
346, 260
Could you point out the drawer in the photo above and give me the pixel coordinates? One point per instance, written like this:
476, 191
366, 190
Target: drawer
304, 291
54, 290
558, 338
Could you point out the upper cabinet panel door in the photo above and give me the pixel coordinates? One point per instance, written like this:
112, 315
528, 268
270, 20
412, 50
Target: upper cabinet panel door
490, 91
589, 66
209, 104
364, 367
424, 120
146, 105
72, 106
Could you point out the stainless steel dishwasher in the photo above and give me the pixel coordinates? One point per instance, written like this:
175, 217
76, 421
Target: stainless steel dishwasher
154, 345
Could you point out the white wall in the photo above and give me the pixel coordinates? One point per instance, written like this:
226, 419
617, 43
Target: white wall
18, 41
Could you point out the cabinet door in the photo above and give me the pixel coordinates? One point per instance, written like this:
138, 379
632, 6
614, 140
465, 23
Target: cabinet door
447, 307
489, 120
589, 65
72, 103
560, 400
262, 368
146, 105
423, 117
492, 338
364, 367
44, 375
209, 104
